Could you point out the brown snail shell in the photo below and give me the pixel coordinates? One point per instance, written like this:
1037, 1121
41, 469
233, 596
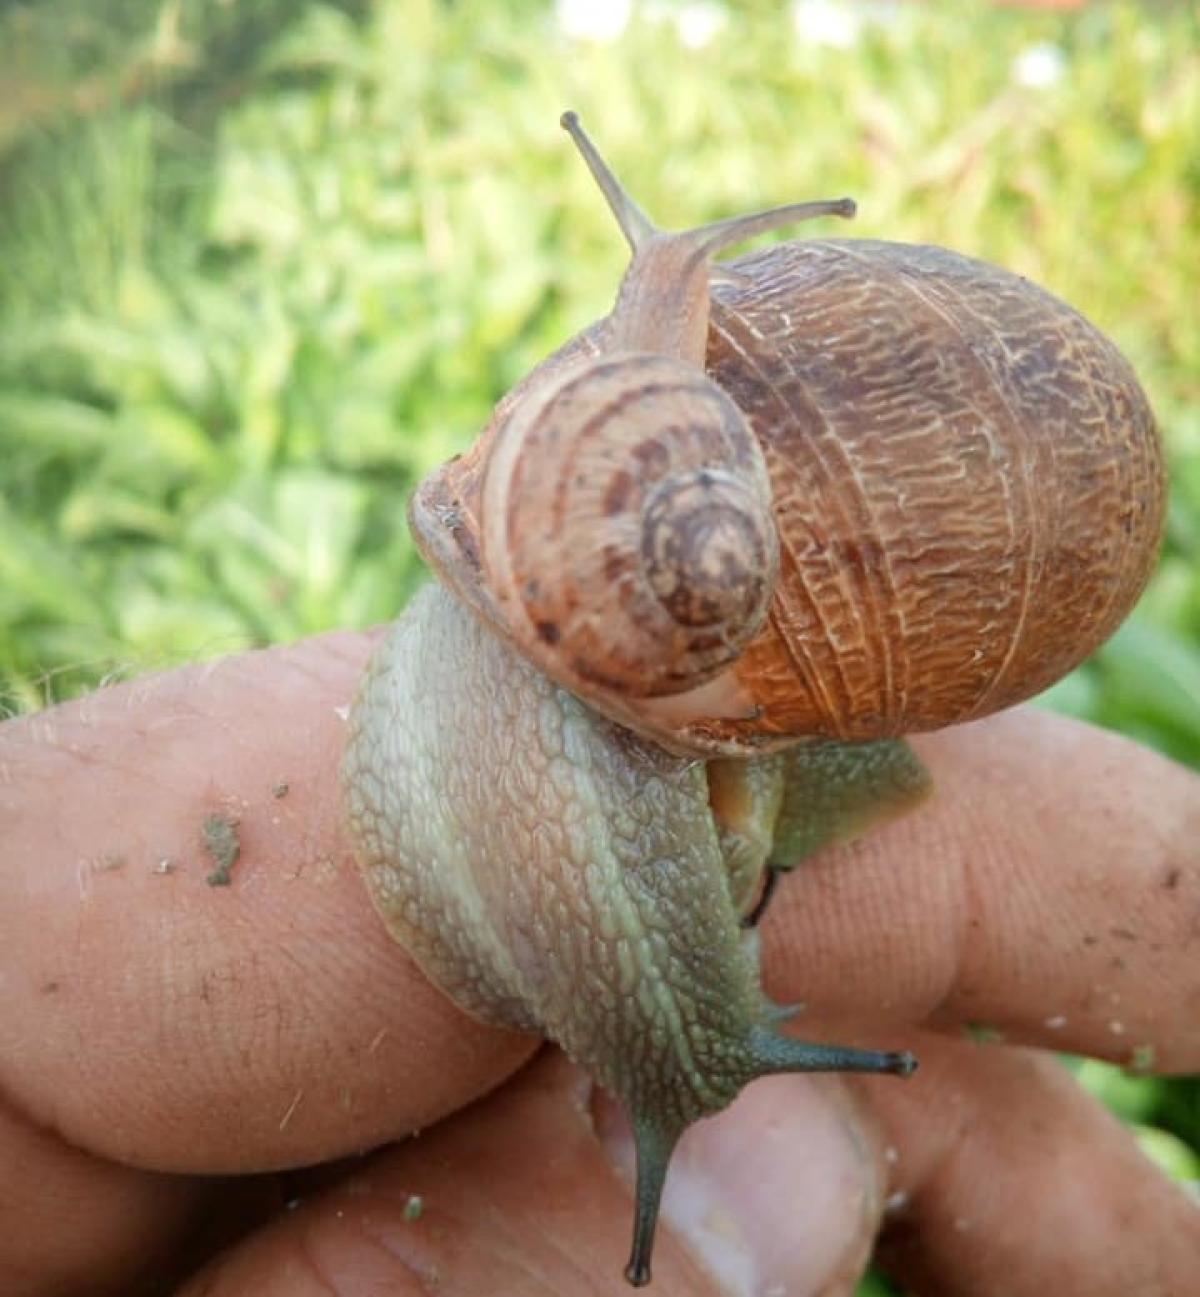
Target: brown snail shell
967, 483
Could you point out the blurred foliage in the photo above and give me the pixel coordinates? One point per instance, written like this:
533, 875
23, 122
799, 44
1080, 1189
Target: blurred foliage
264, 263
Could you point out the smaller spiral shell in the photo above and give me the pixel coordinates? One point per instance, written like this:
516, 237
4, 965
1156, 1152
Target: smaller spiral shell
627, 526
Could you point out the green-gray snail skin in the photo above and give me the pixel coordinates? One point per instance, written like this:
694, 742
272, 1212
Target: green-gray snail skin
705, 567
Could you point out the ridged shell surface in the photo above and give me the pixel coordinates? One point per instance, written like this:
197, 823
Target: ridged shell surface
967, 479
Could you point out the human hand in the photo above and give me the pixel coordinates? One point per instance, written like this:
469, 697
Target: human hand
169, 1048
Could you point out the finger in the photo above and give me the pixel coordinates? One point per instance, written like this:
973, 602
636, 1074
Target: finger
168, 1023
70, 1223
519, 1194
1050, 888
1010, 1179
284, 1027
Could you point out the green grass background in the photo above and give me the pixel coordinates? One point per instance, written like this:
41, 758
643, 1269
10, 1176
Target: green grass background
263, 264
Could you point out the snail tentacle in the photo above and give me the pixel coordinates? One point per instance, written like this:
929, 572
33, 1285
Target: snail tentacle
654, 1142
636, 226
766, 1053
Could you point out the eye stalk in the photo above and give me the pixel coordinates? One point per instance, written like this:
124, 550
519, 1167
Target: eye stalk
639, 229
663, 302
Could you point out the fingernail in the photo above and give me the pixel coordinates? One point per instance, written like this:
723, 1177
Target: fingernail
778, 1196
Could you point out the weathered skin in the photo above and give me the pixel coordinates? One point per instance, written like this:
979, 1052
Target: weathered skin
553, 872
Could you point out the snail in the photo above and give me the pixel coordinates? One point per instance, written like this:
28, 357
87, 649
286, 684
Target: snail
704, 569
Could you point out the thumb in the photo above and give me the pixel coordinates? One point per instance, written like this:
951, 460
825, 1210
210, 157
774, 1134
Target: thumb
530, 1191
781, 1193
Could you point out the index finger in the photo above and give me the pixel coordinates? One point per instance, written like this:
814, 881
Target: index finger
1049, 889
157, 1017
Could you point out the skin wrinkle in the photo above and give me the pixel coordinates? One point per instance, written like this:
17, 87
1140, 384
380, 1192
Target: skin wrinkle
387, 1240
516, 1254
954, 1134
307, 1256
958, 974
855, 1119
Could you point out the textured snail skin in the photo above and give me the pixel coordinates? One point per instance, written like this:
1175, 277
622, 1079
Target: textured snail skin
553, 872
475, 761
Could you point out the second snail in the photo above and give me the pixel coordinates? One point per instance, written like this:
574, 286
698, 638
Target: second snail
702, 571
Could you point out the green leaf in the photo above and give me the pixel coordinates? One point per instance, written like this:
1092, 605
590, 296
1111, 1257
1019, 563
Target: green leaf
1155, 674
40, 576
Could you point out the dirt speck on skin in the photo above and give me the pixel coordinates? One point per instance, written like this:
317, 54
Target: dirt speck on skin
414, 1208
165, 865
109, 862
280, 789
222, 846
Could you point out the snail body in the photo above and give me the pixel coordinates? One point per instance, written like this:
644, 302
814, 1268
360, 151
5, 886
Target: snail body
703, 568
554, 872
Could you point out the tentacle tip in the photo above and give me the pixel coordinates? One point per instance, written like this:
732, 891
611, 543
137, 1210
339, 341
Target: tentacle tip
902, 1064
846, 207
637, 1273
569, 121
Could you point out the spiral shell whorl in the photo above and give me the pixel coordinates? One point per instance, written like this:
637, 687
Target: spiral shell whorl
627, 521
